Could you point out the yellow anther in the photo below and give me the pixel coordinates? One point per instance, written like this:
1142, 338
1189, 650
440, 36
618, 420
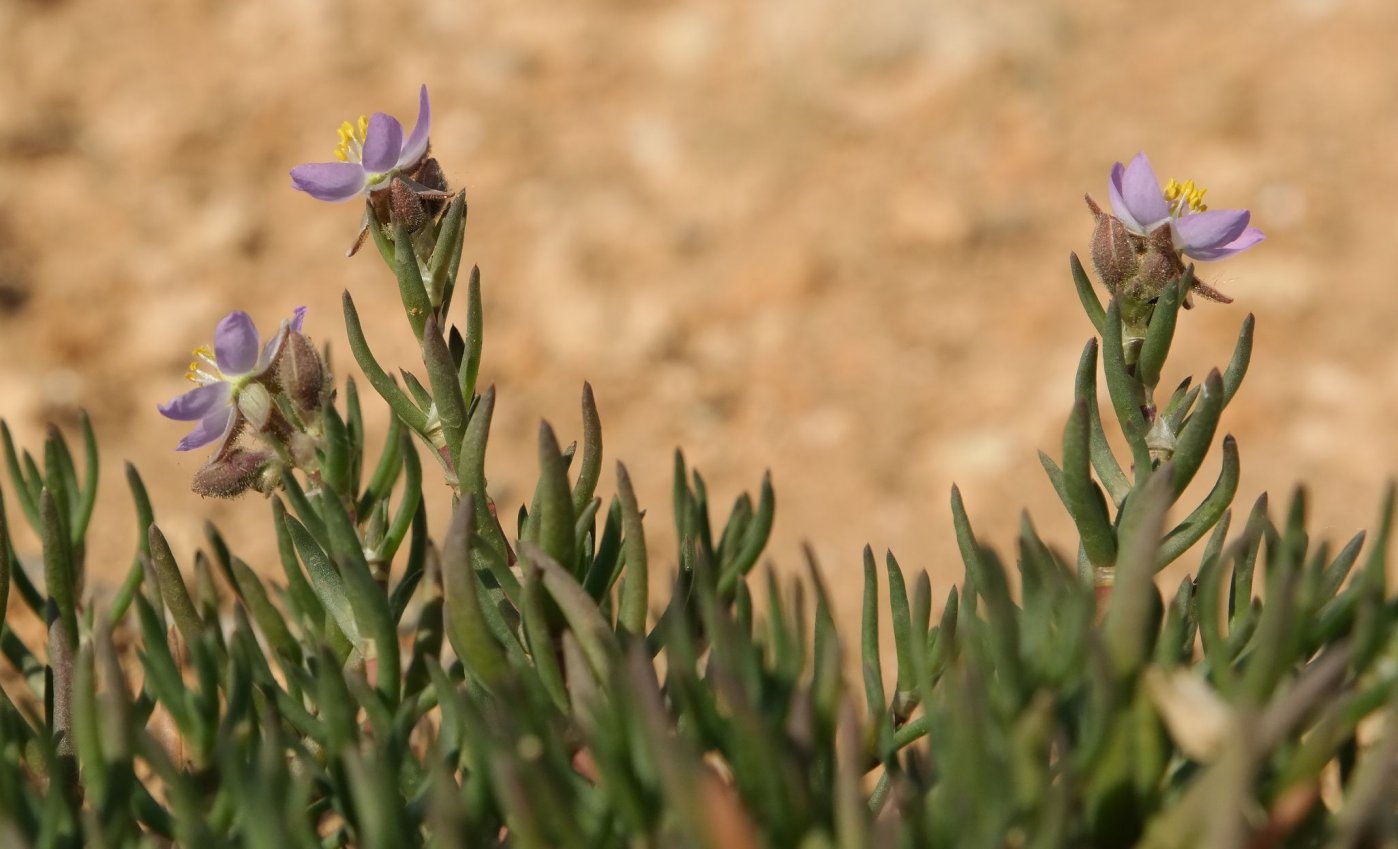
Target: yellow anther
351, 139
1185, 196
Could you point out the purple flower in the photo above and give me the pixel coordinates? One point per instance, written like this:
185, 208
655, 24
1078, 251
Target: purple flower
236, 358
1197, 231
369, 154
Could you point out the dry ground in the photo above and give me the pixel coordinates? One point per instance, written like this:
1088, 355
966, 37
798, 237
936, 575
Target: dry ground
820, 237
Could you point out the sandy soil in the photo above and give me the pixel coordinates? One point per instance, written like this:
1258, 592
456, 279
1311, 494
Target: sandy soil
824, 238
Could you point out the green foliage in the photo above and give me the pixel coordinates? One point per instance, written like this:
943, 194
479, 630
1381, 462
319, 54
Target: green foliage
475, 688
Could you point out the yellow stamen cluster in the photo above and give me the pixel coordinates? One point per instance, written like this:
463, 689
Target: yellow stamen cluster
351, 139
1186, 196
203, 355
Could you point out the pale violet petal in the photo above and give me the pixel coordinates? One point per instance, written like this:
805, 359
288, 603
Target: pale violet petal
1212, 229
416, 145
382, 142
210, 428
1118, 202
1141, 194
196, 403
1245, 240
236, 344
329, 181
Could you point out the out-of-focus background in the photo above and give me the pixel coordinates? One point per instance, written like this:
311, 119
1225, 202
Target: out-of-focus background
820, 237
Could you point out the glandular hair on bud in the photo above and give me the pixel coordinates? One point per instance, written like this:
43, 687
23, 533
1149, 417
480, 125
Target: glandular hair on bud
429, 174
301, 373
1116, 252
405, 206
231, 473
1132, 266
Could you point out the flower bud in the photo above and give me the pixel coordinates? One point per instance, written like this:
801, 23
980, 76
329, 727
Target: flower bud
301, 374
429, 174
405, 206
230, 473
1116, 252
1133, 267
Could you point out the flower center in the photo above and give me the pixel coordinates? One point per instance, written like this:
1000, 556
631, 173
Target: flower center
351, 146
203, 369
1185, 197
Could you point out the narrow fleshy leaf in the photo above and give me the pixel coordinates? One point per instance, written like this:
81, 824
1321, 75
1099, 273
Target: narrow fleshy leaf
1086, 503
594, 634
336, 457
325, 579
1161, 331
446, 393
1128, 397
58, 568
1091, 304
554, 517
172, 587
539, 640
754, 540
1198, 434
1184, 535
875, 698
1132, 617
410, 286
465, 622
26, 489
408, 502
386, 471
378, 378
631, 617
590, 468
1103, 460
1238, 365
448, 241
475, 325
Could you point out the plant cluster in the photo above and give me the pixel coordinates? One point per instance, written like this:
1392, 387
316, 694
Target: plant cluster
400, 680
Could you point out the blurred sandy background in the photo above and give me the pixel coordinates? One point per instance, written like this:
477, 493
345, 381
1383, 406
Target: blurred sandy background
823, 237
